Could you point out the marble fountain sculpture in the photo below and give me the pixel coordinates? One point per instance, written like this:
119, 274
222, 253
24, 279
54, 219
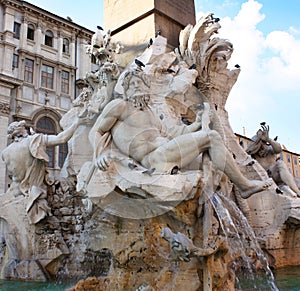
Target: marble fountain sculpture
156, 193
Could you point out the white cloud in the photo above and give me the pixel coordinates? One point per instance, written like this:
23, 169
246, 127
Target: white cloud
269, 81
294, 30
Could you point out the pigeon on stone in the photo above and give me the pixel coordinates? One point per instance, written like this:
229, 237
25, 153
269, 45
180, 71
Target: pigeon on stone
139, 63
175, 170
132, 166
170, 71
157, 33
149, 172
185, 121
250, 163
193, 67
150, 42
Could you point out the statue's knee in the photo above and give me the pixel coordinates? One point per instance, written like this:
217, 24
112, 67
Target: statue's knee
281, 165
214, 136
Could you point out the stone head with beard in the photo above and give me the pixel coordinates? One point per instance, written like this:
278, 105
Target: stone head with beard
136, 88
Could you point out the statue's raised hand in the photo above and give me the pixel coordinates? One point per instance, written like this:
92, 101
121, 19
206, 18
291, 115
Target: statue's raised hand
264, 133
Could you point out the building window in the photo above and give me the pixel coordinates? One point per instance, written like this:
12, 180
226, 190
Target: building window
295, 161
65, 48
47, 76
63, 151
46, 125
30, 32
49, 38
65, 82
28, 71
17, 30
15, 61
288, 157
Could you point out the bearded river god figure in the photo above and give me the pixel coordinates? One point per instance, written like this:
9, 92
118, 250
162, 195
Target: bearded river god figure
141, 135
155, 187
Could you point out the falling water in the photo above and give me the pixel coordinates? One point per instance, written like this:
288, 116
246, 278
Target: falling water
250, 264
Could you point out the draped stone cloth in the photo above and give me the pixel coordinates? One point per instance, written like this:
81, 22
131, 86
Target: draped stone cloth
33, 184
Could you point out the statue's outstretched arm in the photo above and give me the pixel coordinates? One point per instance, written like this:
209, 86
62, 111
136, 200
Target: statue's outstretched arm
64, 136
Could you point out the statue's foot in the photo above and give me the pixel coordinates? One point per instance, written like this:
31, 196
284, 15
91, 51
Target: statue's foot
218, 244
255, 187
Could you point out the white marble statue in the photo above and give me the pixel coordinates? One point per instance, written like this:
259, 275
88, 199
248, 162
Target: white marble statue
265, 150
26, 160
141, 135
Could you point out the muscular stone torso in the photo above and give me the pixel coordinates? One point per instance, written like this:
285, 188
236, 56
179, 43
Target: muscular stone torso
138, 132
18, 159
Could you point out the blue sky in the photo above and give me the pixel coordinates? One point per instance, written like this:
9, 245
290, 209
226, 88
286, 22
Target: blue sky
266, 39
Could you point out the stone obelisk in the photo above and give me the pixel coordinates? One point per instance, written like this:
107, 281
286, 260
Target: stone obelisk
134, 22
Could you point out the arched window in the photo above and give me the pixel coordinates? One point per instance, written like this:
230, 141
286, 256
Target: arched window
49, 38
47, 126
30, 32
63, 151
65, 48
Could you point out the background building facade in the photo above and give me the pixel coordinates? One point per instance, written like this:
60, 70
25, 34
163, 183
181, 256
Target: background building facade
41, 57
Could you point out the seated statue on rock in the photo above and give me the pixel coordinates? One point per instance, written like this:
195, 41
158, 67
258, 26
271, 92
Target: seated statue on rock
137, 132
265, 150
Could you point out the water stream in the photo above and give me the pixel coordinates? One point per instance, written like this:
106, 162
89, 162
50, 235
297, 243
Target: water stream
250, 264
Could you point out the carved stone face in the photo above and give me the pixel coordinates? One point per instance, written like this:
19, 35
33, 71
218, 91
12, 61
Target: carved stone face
136, 88
17, 129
